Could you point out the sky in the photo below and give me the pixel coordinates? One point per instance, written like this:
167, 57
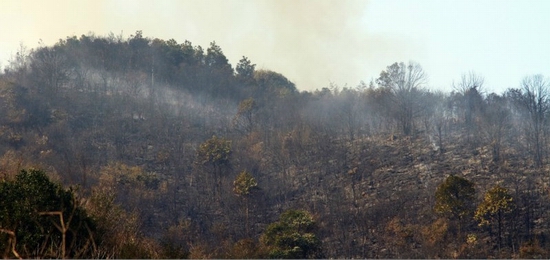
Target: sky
315, 42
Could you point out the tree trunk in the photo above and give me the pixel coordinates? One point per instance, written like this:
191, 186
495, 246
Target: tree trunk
499, 230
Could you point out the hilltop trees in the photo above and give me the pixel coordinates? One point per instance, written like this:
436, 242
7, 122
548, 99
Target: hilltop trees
469, 101
51, 68
245, 70
533, 101
470, 87
496, 122
405, 81
218, 71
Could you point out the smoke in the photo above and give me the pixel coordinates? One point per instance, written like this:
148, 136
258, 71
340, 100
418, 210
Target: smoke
313, 43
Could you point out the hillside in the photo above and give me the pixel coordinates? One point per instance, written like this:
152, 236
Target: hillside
174, 153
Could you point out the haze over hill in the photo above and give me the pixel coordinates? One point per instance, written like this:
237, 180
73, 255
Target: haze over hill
211, 129
173, 152
315, 43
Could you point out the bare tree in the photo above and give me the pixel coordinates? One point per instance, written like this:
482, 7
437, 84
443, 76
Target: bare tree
436, 118
405, 81
496, 121
534, 101
469, 80
470, 89
51, 67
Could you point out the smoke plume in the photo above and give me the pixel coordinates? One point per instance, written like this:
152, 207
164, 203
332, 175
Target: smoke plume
313, 43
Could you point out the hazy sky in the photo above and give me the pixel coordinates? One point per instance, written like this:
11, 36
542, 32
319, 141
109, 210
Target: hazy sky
315, 42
